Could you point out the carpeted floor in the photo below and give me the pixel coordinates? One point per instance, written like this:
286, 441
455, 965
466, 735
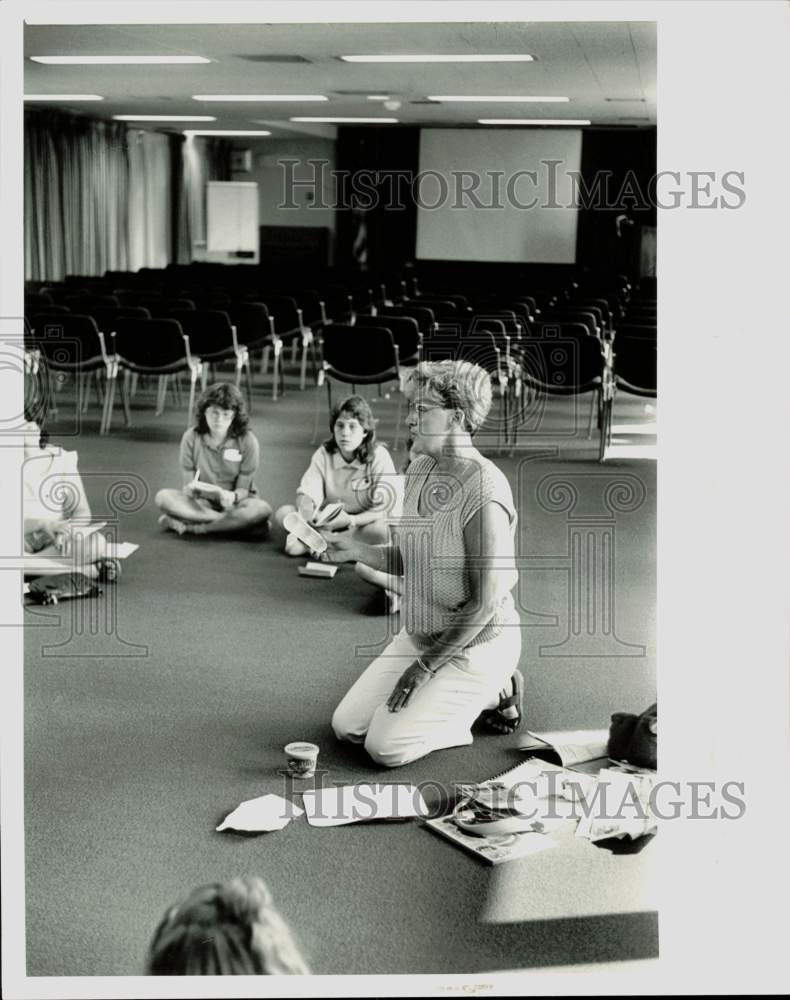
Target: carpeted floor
154, 710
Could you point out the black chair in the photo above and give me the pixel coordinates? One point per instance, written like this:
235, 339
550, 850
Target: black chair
160, 308
34, 301
151, 347
255, 331
426, 321
358, 356
290, 328
73, 344
564, 360
213, 338
482, 341
85, 304
634, 364
586, 318
635, 367
405, 334
441, 308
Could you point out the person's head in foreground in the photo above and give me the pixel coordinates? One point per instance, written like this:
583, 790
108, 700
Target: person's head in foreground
448, 401
353, 430
222, 412
225, 929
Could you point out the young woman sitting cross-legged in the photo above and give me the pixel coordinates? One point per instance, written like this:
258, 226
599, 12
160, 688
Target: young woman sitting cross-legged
219, 458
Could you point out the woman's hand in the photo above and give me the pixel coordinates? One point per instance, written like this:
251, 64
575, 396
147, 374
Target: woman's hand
341, 521
411, 680
341, 546
227, 499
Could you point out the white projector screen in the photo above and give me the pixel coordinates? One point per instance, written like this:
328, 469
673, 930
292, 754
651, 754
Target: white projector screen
499, 195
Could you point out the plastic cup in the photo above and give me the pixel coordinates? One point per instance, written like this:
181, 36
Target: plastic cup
302, 759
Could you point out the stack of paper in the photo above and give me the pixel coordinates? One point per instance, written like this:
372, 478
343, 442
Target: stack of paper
335, 806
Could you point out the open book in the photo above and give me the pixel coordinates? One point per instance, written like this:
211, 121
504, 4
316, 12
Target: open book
584, 748
513, 814
206, 489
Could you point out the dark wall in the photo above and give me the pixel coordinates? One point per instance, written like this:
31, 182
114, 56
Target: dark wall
617, 167
391, 230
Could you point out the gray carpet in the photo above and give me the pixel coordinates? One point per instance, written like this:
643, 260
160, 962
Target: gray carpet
153, 712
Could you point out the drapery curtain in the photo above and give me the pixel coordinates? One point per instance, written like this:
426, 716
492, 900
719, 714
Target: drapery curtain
76, 193
202, 160
149, 199
100, 196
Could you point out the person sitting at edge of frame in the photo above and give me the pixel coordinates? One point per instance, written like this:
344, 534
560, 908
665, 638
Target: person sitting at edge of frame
225, 929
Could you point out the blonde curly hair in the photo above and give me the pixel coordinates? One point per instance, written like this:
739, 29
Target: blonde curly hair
460, 385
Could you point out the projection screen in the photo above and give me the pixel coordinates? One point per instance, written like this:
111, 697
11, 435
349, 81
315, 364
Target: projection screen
499, 195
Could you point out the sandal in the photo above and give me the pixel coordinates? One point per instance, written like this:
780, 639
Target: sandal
495, 719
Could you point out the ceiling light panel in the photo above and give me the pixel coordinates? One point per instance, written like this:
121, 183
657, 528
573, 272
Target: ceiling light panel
420, 58
119, 60
260, 98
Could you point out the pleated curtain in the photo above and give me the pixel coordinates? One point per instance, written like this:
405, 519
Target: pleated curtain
100, 196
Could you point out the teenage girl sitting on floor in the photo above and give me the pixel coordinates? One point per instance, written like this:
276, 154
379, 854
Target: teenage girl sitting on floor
219, 458
349, 468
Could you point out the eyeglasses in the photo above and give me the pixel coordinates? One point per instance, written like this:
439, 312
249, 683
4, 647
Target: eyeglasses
420, 408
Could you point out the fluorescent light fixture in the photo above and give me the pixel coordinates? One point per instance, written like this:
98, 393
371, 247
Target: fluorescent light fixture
259, 98
62, 97
493, 57
378, 97
164, 118
117, 60
520, 99
245, 133
534, 121
349, 121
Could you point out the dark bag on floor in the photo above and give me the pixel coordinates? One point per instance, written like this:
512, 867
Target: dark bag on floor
61, 587
634, 738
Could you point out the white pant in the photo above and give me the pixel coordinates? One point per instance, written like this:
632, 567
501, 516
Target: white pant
438, 715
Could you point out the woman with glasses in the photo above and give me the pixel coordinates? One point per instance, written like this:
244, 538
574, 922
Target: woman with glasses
455, 659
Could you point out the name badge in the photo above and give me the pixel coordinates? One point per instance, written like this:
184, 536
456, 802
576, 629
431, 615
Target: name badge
231, 455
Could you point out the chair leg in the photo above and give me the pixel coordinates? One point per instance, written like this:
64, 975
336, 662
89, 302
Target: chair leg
318, 395
135, 377
83, 391
160, 395
294, 347
192, 380
303, 368
125, 398
398, 418
595, 397
109, 399
248, 376
264, 361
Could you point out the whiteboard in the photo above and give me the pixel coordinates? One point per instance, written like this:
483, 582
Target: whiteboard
232, 216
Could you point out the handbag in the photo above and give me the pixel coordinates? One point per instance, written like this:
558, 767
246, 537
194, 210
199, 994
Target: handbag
62, 587
634, 738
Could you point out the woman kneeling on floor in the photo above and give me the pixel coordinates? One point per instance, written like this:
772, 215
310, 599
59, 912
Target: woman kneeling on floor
456, 658
219, 458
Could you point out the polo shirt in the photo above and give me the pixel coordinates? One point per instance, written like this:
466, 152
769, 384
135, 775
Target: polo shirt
232, 465
359, 486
